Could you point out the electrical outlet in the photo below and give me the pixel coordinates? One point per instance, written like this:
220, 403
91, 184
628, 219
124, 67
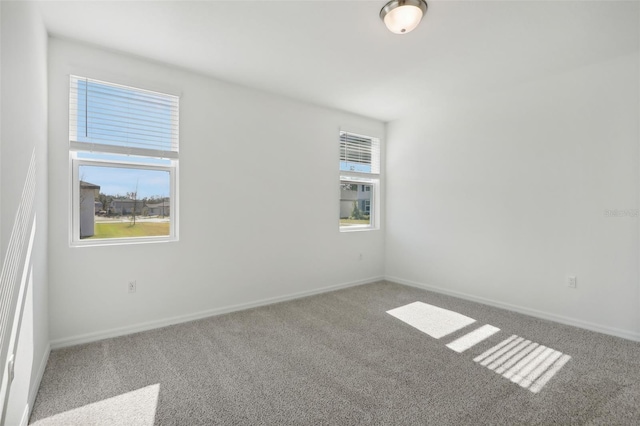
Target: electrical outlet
132, 286
572, 282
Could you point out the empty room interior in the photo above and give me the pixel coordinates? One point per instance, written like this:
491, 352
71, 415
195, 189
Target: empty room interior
320, 212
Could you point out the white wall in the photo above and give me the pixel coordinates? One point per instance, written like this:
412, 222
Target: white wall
236, 144
500, 198
24, 131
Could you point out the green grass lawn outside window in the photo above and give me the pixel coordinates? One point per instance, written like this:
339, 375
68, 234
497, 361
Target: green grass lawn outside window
127, 230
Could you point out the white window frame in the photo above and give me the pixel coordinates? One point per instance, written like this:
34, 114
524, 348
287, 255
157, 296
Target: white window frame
75, 201
363, 178
128, 161
373, 213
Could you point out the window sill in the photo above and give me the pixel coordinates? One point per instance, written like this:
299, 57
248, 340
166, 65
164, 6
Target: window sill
348, 229
122, 241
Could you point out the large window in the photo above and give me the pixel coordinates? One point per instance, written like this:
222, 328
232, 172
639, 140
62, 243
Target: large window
359, 182
123, 146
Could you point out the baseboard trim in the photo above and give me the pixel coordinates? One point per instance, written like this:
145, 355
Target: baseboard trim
35, 385
150, 325
24, 421
625, 334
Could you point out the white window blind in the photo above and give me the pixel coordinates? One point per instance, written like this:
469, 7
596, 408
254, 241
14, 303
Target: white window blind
359, 153
107, 117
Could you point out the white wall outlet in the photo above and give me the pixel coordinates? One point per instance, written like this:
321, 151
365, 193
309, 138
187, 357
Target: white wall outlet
132, 286
572, 281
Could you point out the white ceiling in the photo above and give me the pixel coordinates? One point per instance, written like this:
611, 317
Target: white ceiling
338, 53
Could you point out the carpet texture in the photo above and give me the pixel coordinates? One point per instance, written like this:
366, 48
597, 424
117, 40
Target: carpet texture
340, 359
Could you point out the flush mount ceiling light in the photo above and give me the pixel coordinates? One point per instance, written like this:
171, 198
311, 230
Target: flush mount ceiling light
403, 16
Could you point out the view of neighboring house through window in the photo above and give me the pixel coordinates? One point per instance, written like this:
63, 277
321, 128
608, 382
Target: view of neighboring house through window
123, 144
359, 181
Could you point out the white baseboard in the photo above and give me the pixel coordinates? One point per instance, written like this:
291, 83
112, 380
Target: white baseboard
35, 384
625, 334
24, 421
121, 331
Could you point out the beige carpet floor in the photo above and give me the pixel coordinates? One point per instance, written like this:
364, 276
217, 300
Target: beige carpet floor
341, 358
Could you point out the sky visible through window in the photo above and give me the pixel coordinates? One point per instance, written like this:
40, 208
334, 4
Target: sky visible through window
352, 166
118, 181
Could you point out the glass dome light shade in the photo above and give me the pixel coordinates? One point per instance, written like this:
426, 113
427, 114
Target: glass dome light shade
403, 16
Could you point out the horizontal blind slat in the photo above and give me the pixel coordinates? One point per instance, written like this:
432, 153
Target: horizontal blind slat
95, 110
143, 109
123, 92
129, 103
131, 130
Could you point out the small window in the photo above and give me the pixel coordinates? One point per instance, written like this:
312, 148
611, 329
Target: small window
123, 145
359, 181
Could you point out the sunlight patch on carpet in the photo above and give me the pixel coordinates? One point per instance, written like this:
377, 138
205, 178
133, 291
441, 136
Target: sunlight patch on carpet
473, 338
135, 408
432, 320
524, 362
